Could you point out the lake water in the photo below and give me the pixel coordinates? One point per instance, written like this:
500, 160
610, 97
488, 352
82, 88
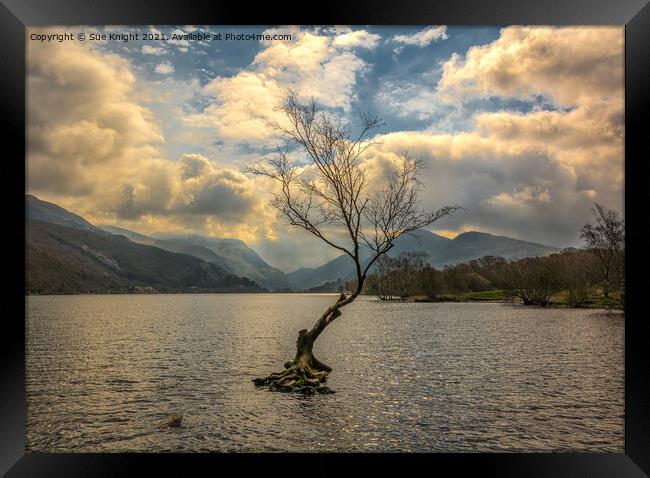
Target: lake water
103, 371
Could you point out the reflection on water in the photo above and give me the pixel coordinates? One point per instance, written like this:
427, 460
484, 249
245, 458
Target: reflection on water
103, 371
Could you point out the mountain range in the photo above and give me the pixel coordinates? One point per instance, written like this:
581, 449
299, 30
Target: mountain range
68, 254
440, 251
65, 254
232, 255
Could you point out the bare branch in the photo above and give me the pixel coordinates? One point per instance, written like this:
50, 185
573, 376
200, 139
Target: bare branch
331, 192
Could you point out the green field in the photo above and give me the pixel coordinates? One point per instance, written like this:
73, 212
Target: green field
496, 294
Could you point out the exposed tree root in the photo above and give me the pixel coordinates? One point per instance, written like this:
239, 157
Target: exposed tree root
297, 377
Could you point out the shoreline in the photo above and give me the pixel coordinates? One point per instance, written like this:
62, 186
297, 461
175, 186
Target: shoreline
413, 300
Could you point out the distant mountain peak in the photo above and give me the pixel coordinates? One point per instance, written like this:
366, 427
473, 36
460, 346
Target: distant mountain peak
472, 233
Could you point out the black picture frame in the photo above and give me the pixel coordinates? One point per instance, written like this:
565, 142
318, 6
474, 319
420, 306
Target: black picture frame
16, 15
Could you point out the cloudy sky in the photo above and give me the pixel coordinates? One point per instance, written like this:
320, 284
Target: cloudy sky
522, 126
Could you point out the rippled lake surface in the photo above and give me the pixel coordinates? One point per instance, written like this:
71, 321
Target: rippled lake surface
103, 371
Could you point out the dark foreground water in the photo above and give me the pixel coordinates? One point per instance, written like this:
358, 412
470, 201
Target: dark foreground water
103, 371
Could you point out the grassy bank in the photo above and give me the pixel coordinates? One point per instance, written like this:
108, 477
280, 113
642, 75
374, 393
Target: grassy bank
559, 300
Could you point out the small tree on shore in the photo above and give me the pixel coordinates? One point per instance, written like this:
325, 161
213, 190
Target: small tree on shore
381, 282
398, 276
606, 240
534, 280
328, 196
431, 282
578, 274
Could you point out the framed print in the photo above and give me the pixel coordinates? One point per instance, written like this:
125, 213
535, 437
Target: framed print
380, 233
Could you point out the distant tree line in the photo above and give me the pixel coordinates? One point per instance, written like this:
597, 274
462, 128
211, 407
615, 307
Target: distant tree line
578, 276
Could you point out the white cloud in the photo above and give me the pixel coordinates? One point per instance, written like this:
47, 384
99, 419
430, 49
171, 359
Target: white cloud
423, 37
569, 65
312, 65
407, 99
520, 197
150, 50
180, 42
164, 68
357, 38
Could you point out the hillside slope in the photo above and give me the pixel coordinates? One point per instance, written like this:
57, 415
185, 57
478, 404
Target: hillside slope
237, 257
195, 250
65, 254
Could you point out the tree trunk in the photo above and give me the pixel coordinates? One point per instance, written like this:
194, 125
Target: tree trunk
305, 354
306, 374
306, 338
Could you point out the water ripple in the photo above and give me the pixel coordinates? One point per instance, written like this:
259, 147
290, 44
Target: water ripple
103, 371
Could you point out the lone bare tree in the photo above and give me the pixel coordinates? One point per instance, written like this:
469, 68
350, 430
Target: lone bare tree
328, 195
606, 240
